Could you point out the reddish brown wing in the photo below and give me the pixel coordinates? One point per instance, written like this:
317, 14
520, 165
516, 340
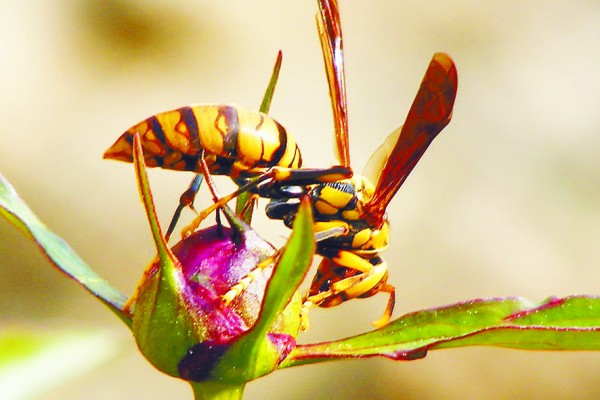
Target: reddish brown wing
429, 114
330, 34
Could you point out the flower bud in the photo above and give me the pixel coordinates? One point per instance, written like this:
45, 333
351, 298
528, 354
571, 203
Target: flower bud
180, 322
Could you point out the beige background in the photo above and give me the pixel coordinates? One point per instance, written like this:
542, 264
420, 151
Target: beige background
505, 202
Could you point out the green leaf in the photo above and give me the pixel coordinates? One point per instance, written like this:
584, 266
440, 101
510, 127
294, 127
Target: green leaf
253, 353
58, 252
265, 106
571, 323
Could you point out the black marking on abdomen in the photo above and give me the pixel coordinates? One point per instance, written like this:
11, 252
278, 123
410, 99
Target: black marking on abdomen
232, 125
158, 130
298, 156
187, 114
283, 142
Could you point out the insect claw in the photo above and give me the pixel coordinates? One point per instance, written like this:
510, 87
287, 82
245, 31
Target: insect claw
304, 321
243, 283
387, 314
381, 322
188, 230
228, 297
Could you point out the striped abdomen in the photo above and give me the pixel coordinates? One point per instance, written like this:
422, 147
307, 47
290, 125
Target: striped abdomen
234, 140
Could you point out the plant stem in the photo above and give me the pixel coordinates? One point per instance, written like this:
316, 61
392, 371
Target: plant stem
217, 391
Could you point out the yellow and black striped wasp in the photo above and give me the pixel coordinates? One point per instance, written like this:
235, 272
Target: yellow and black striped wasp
349, 211
219, 139
232, 140
351, 266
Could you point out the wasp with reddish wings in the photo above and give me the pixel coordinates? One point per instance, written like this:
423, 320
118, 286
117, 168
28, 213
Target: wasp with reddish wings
355, 208
349, 212
351, 265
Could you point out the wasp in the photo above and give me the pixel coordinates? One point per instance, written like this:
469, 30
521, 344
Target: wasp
218, 139
350, 219
215, 139
349, 210
351, 266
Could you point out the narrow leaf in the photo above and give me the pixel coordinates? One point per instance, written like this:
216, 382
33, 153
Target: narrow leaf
146, 195
58, 252
265, 106
571, 323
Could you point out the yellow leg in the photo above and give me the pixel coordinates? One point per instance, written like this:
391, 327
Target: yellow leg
345, 258
387, 314
304, 322
188, 230
366, 282
337, 288
243, 283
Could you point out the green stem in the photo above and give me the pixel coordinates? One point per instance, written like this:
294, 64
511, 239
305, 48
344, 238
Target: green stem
217, 391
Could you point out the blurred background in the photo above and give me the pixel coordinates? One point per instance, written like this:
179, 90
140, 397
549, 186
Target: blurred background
505, 202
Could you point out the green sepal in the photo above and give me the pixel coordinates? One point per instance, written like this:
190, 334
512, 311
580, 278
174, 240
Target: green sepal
255, 354
163, 327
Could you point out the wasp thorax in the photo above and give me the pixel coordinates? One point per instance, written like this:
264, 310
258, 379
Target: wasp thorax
343, 199
364, 190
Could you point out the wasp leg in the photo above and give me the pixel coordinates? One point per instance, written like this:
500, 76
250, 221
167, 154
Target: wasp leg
283, 178
309, 176
389, 308
370, 280
217, 201
304, 321
130, 303
340, 287
185, 200
274, 175
243, 283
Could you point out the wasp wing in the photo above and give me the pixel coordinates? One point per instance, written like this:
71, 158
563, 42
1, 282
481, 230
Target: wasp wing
429, 114
374, 167
330, 35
